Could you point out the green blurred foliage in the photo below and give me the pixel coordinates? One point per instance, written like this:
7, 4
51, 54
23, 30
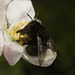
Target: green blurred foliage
59, 18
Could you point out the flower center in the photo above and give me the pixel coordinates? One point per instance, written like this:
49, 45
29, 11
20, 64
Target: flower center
13, 32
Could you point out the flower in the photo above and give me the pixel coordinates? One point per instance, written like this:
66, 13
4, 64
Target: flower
13, 13
13, 17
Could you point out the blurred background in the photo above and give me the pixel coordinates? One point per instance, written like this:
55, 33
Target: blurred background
59, 18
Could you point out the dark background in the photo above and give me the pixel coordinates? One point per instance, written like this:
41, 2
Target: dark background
59, 18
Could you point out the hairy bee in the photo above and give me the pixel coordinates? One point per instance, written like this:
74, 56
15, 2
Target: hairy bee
37, 39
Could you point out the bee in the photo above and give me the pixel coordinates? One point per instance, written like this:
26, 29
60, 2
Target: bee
37, 39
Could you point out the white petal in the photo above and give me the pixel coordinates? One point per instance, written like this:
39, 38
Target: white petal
1, 42
7, 39
17, 11
50, 57
13, 53
21, 0
12, 50
6, 2
3, 6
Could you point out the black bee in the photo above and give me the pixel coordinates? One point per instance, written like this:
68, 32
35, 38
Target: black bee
37, 39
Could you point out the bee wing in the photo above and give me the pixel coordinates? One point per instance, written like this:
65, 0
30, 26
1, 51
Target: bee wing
41, 54
53, 47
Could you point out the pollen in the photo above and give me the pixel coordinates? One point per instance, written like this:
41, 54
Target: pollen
21, 42
13, 31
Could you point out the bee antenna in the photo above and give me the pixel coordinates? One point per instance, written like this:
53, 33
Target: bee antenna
30, 16
37, 14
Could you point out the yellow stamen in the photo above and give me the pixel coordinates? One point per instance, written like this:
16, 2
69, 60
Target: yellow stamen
12, 32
